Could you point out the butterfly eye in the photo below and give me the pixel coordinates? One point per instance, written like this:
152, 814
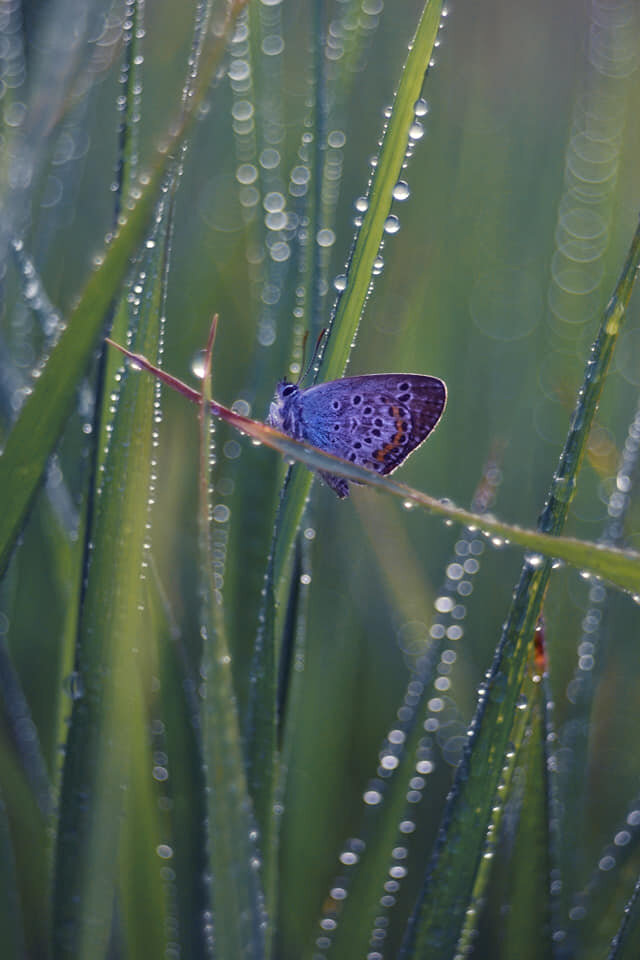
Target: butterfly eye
288, 390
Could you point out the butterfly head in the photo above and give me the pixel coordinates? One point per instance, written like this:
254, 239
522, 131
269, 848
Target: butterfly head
280, 411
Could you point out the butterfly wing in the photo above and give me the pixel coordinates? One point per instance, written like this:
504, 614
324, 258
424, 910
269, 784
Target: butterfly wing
375, 421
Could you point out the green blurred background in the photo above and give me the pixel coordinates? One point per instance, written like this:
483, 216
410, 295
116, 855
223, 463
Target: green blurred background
524, 195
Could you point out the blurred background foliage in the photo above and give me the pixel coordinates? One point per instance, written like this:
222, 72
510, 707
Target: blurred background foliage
523, 197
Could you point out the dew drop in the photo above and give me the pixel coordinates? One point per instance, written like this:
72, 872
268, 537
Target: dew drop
198, 365
221, 513
348, 858
401, 190
325, 237
534, 560
392, 224
75, 685
372, 797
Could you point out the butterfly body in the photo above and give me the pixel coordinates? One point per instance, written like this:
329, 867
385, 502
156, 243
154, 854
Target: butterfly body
375, 421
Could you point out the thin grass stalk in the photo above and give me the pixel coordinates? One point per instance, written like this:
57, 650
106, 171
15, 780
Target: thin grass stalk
621, 567
239, 921
261, 728
521, 723
178, 726
623, 945
571, 777
528, 928
263, 717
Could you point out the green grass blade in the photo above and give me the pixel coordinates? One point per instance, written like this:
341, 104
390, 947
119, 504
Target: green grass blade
624, 945
143, 896
262, 728
13, 946
106, 732
621, 567
238, 917
351, 304
25, 843
379, 830
44, 414
521, 720
387, 173
528, 924
27, 745
450, 878
180, 715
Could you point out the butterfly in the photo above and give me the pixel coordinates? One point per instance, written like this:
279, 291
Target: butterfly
374, 421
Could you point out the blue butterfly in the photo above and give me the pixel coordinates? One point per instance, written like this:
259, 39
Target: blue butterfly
375, 421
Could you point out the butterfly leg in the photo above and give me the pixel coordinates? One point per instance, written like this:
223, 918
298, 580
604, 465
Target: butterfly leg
338, 484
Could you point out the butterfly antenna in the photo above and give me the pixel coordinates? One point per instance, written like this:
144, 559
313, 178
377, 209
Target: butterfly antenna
303, 372
313, 355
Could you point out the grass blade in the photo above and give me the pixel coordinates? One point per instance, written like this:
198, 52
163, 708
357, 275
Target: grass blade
112, 642
621, 567
10, 914
451, 875
528, 927
24, 839
238, 918
44, 414
349, 309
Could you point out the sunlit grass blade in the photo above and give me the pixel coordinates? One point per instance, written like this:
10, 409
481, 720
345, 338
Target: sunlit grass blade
621, 567
144, 896
451, 875
234, 865
44, 414
349, 309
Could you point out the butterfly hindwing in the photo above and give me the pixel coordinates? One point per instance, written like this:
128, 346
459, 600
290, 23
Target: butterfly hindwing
375, 421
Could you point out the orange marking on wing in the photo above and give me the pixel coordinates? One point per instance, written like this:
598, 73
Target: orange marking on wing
393, 444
